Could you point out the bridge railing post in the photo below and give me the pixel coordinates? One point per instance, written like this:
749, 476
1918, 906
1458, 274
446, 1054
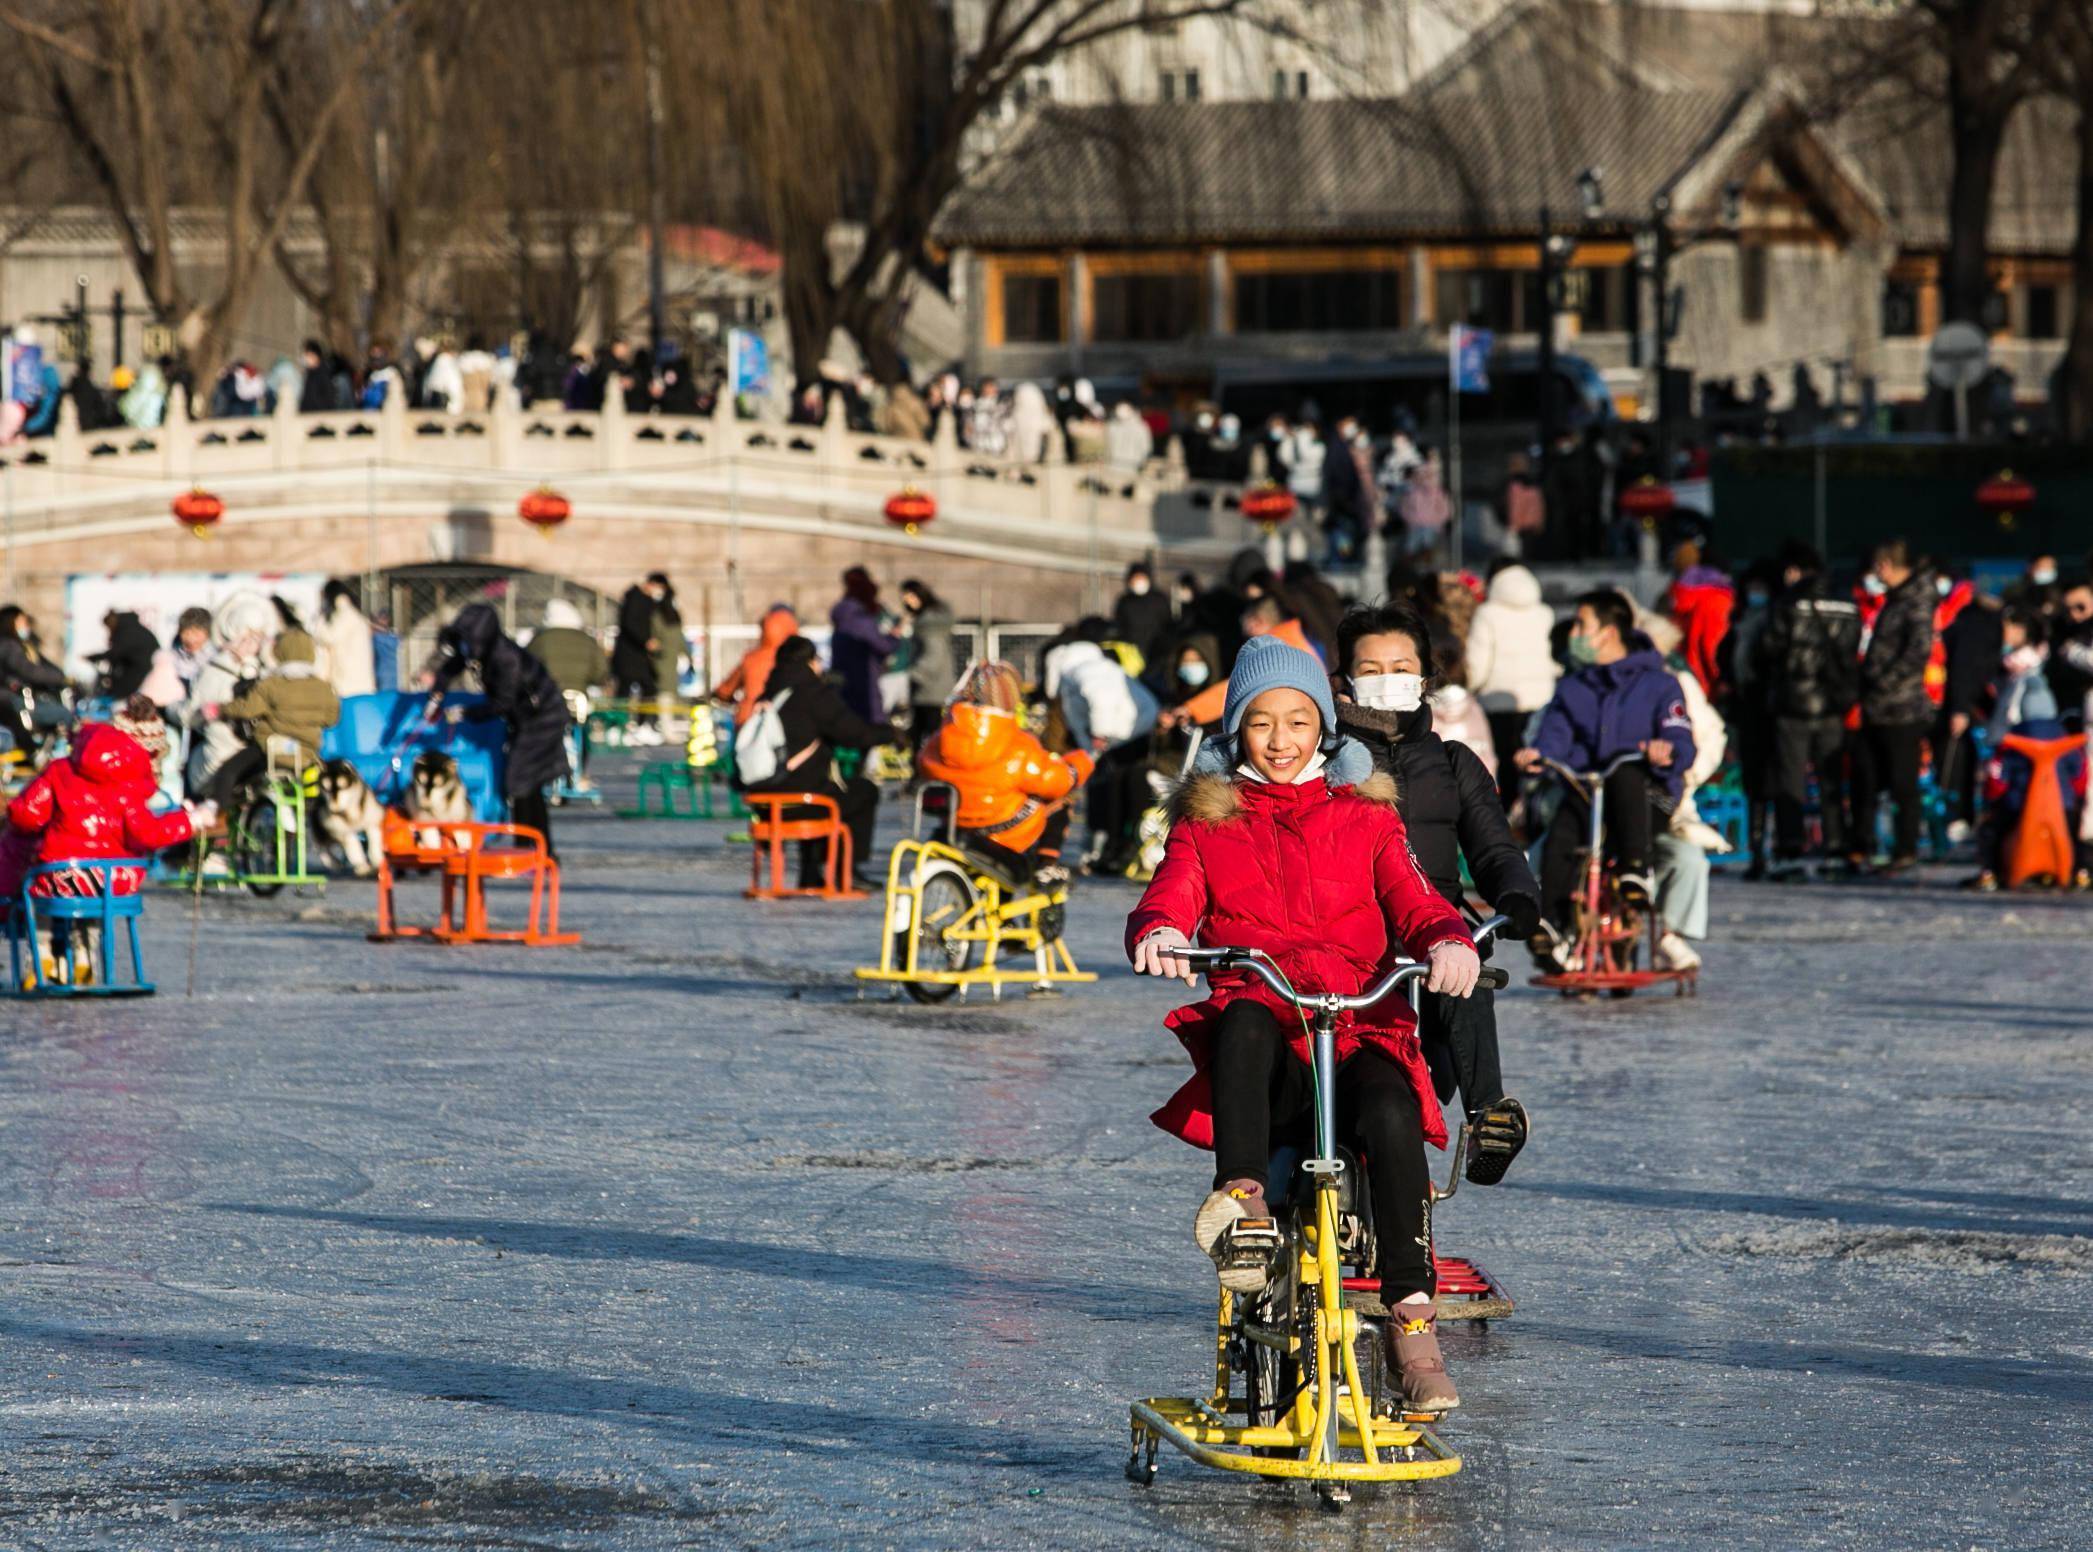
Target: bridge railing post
68, 447
285, 439
614, 429
177, 439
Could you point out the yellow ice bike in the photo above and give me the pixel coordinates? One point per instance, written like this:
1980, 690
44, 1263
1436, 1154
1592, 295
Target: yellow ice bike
1305, 1412
952, 916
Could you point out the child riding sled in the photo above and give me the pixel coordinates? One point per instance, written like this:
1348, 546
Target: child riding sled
1297, 850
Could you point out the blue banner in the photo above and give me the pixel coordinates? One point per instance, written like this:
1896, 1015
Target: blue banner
748, 364
25, 378
1468, 358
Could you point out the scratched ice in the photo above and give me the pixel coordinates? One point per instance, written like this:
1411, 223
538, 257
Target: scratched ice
668, 1242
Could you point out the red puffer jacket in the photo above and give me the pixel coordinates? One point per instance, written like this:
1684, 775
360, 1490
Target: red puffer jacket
1321, 880
91, 804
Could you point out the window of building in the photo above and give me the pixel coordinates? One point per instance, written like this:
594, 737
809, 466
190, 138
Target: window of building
1144, 307
1611, 301
1751, 283
1318, 301
1500, 299
1031, 309
1180, 85
2041, 313
1290, 84
1900, 309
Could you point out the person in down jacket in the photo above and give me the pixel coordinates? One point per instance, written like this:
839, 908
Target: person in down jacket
1271, 855
89, 804
522, 694
1014, 796
743, 687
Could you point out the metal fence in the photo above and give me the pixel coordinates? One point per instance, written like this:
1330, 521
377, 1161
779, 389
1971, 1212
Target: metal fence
425, 599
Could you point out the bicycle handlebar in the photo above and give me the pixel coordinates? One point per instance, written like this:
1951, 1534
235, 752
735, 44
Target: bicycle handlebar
1593, 778
1259, 963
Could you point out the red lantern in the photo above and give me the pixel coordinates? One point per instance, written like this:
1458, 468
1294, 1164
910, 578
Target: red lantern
2005, 498
1268, 505
909, 509
544, 509
198, 511
1648, 501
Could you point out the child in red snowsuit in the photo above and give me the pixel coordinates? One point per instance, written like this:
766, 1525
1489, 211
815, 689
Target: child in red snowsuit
92, 803
1297, 850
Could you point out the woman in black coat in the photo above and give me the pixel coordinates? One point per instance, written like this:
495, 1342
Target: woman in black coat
1449, 805
522, 694
817, 723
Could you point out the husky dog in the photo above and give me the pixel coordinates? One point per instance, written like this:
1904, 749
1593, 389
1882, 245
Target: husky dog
436, 792
351, 816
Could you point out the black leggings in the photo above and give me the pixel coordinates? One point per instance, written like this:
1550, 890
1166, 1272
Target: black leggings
530, 808
1460, 1046
1259, 1087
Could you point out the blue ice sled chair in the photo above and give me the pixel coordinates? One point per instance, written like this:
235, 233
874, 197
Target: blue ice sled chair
379, 734
28, 919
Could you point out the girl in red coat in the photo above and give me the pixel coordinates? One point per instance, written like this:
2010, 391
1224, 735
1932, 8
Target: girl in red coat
1298, 851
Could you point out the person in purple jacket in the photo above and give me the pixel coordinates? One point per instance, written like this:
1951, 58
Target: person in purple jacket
860, 644
1618, 697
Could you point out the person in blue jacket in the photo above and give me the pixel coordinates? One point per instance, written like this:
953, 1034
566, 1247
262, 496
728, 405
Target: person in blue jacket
1619, 697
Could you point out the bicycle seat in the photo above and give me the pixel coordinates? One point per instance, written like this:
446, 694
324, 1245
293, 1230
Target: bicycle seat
1015, 880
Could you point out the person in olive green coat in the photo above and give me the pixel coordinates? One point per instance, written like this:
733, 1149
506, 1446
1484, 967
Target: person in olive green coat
293, 702
570, 654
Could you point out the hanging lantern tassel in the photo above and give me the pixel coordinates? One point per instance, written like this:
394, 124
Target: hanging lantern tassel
198, 511
911, 510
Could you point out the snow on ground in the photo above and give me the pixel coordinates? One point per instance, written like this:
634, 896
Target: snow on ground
668, 1241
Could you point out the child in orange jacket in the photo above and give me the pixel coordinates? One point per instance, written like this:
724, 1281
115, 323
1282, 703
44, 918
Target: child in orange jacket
1013, 795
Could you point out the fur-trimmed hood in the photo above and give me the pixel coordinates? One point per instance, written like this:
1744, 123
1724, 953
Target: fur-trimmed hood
1211, 798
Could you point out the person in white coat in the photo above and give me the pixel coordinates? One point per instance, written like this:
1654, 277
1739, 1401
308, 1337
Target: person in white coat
1510, 667
241, 631
1128, 442
343, 638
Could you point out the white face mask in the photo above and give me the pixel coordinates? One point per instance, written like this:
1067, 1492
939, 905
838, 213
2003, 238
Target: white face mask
1138, 586
1389, 692
2043, 576
1874, 584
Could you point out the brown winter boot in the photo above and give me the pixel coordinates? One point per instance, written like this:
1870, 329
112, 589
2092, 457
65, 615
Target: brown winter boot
1413, 1349
1236, 1228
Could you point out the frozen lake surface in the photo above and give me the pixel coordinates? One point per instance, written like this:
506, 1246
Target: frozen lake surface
667, 1241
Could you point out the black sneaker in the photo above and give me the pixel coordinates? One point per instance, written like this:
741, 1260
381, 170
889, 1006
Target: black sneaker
1495, 1137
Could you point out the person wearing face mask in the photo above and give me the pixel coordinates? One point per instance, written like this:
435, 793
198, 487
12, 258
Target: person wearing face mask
2026, 706
1620, 698
1141, 617
1895, 710
2036, 588
1290, 848
1449, 806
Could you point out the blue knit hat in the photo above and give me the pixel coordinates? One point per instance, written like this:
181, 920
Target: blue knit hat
1267, 663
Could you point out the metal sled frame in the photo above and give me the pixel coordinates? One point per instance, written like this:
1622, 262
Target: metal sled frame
1001, 923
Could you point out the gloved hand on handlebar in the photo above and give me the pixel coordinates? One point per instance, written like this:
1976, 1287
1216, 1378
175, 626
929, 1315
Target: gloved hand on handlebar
1523, 914
1152, 955
1455, 969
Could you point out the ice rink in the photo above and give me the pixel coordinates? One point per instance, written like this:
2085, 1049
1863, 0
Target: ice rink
670, 1241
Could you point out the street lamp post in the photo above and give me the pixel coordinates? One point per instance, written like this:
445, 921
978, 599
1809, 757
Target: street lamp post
1557, 249
1656, 248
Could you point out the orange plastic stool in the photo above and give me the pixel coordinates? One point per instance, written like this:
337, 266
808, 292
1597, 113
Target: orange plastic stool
2041, 844
497, 852
404, 856
770, 830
